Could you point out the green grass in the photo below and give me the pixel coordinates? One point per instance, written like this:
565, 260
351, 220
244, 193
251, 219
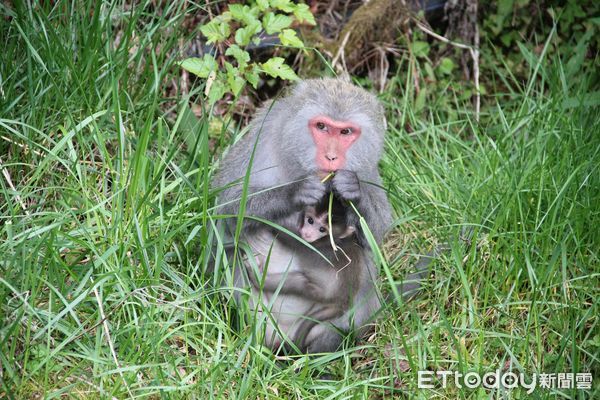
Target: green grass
106, 222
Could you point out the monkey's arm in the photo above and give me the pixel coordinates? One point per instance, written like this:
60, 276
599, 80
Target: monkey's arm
280, 204
272, 205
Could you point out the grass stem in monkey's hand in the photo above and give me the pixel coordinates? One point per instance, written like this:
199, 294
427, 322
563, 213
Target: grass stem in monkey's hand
327, 177
333, 246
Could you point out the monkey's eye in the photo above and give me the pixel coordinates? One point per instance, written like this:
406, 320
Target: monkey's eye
321, 126
322, 230
310, 220
346, 131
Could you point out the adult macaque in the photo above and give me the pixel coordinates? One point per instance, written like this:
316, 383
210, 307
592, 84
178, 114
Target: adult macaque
321, 126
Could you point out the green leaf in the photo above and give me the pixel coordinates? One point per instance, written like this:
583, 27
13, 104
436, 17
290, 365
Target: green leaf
229, 67
288, 37
275, 23
238, 11
235, 81
262, 4
283, 5
277, 68
244, 35
241, 56
252, 76
201, 67
243, 13
215, 31
303, 14
446, 66
217, 89
225, 17
505, 7
466, 94
498, 25
420, 48
508, 37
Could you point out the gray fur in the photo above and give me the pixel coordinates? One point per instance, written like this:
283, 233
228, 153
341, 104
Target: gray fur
316, 298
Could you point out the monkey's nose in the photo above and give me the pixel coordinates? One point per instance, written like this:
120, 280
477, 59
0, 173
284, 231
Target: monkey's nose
331, 157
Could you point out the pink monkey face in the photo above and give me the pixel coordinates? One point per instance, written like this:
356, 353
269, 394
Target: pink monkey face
332, 139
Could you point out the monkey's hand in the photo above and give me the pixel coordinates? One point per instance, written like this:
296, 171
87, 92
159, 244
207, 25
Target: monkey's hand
311, 192
346, 186
353, 221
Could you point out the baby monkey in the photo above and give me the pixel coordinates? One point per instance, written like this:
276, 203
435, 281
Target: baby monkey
303, 282
315, 225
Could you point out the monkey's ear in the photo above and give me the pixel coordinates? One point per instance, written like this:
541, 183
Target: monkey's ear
349, 231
